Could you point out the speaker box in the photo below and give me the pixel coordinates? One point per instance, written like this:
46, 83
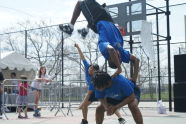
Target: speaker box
179, 97
180, 68
179, 104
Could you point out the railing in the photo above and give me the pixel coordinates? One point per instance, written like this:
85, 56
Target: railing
54, 96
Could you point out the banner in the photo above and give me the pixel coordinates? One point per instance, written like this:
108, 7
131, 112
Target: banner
147, 41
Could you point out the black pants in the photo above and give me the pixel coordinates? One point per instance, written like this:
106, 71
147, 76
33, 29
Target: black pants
1, 104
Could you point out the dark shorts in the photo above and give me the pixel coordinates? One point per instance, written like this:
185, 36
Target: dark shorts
137, 93
1, 100
92, 97
35, 89
15, 91
113, 101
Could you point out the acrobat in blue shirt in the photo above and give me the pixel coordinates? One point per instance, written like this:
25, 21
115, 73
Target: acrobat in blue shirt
120, 89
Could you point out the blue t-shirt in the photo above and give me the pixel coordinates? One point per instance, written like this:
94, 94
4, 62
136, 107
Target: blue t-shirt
87, 75
120, 89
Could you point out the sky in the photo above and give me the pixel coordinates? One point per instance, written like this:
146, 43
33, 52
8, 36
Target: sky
53, 11
60, 11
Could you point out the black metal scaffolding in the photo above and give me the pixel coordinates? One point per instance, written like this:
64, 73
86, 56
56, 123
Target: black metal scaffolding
163, 38
122, 19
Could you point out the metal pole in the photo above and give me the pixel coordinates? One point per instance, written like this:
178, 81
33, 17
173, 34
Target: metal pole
179, 50
158, 55
97, 55
150, 90
80, 69
131, 40
169, 55
105, 65
80, 81
25, 43
62, 66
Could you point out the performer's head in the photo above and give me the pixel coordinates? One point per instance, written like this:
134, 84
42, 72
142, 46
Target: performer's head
101, 80
93, 68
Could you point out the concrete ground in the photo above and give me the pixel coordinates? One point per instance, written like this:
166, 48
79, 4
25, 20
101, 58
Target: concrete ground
150, 116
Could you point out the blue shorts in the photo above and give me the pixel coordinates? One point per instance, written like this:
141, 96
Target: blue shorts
110, 35
115, 102
124, 55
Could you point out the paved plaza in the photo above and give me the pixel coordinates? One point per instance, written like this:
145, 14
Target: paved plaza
150, 116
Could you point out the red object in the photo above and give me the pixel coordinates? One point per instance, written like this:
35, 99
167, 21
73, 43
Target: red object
23, 89
122, 30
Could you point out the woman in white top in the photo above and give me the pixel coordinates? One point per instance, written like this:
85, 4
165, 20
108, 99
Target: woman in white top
37, 86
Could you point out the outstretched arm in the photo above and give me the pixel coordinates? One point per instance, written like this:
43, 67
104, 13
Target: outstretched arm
44, 79
80, 52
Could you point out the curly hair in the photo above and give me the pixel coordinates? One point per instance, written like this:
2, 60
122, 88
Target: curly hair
101, 79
